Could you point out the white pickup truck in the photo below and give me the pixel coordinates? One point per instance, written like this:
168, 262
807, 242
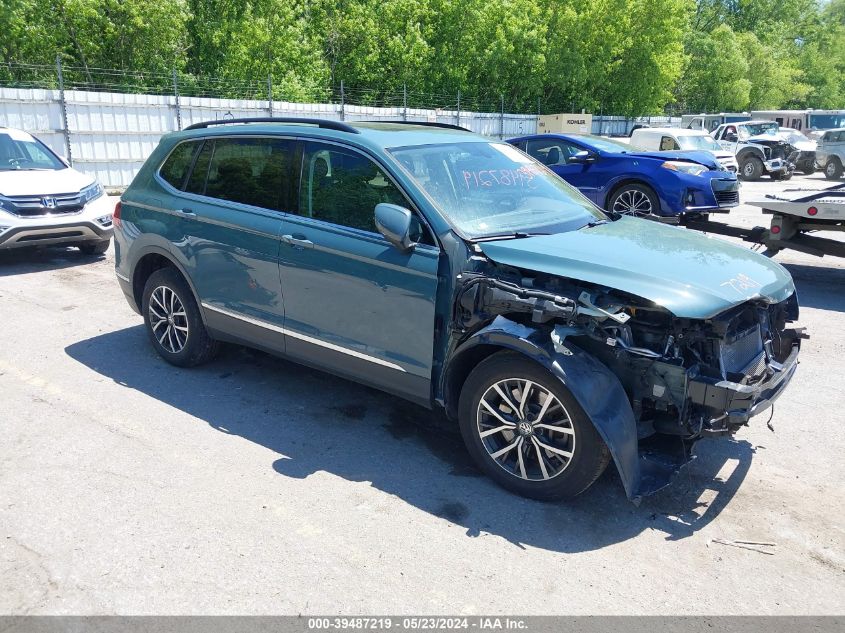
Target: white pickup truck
758, 149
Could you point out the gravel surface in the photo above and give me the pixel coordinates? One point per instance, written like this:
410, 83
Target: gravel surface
252, 485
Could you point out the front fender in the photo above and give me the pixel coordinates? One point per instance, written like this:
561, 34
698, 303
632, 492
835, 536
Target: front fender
593, 385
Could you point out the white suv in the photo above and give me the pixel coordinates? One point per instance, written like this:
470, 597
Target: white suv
43, 201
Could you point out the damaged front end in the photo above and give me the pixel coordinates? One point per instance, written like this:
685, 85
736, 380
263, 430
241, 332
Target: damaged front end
647, 379
779, 155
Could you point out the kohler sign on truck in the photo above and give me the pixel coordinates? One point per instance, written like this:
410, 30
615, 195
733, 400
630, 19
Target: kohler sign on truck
572, 123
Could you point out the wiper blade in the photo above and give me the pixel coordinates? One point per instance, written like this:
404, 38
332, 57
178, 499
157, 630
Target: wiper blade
516, 235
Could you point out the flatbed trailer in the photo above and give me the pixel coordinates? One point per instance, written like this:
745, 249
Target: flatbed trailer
797, 214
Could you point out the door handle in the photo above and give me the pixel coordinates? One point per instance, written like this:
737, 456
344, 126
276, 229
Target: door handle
298, 241
185, 211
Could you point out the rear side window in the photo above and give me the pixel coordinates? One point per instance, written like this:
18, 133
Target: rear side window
176, 167
254, 171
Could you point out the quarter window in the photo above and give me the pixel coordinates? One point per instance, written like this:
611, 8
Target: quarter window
343, 187
196, 181
176, 167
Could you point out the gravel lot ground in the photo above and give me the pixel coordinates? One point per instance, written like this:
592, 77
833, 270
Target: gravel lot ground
252, 485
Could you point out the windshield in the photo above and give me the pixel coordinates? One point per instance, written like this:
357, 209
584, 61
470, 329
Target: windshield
20, 151
758, 129
703, 141
827, 121
492, 189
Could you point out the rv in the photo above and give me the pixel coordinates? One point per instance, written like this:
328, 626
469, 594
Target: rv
804, 120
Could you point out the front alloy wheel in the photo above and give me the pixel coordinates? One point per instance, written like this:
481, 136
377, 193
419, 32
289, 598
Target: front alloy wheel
633, 202
525, 429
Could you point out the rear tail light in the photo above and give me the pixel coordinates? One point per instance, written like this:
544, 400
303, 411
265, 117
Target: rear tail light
116, 215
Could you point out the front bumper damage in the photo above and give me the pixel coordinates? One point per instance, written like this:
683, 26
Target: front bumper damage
778, 166
740, 402
651, 384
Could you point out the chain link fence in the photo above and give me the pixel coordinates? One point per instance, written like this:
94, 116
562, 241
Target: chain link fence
106, 122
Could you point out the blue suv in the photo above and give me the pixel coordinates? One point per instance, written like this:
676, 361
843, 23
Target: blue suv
623, 179
461, 275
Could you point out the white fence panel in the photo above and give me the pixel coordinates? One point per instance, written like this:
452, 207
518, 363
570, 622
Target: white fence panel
111, 134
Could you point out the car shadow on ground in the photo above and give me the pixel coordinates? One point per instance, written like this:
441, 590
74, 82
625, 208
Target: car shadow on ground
19, 261
821, 286
317, 422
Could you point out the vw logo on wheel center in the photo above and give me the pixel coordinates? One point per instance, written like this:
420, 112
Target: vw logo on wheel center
524, 428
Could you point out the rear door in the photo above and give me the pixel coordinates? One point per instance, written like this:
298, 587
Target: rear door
354, 304
230, 219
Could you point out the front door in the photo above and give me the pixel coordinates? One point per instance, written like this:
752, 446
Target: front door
354, 304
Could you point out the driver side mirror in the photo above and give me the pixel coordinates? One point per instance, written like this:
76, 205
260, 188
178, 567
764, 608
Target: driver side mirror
395, 223
583, 157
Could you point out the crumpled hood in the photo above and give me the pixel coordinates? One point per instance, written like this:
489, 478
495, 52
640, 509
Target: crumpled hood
690, 274
766, 139
22, 182
694, 156
804, 146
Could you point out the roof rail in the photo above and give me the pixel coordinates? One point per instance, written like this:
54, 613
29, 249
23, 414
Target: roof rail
448, 126
322, 123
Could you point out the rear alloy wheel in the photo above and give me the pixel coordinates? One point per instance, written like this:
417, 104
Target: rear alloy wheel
833, 169
751, 168
634, 199
173, 320
525, 430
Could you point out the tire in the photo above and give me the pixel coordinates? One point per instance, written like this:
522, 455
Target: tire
808, 168
560, 476
178, 335
634, 199
94, 248
833, 169
751, 168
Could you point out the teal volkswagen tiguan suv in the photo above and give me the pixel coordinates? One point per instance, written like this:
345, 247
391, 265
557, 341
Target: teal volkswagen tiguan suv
462, 275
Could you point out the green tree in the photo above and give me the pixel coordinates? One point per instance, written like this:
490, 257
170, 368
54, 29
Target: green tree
245, 40
619, 56
715, 78
117, 34
772, 72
